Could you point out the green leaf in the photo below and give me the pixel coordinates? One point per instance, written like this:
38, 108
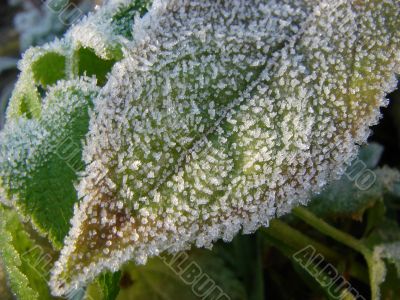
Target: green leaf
105, 287
27, 263
105, 31
391, 252
39, 159
5, 292
370, 154
390, 288
387, 231
40, 67
244, 256
193, 275
47, 119
122, 19
350, 195
383, 239
221, 116
49, 68
378, 268
89, 64
90, 47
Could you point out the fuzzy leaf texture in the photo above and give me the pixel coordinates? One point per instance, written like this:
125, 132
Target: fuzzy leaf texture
47, 118
220, 116
40, 158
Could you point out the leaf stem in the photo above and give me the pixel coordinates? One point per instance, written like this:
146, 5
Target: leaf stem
331, 231
295, 240
342, 237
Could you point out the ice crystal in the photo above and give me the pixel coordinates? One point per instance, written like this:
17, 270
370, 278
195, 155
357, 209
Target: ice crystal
26, 99
220, 116
105, 30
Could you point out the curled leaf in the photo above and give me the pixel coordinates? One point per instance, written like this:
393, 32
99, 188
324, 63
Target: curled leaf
40, 67
361, 187
221, 116
40, 158
89, 48
105, 30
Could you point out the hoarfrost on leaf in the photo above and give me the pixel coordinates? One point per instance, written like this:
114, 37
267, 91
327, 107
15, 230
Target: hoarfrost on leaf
47, 118
220, 116
39, 158
95, 43
105, 30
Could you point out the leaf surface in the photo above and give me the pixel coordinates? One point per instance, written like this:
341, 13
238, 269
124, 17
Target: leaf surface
221, 116
40, 158
26, 261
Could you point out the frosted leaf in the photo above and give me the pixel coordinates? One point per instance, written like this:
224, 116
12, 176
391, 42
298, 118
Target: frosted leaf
89, 48
362, 186
391, 252
122, 18
222, 115
40, 157
40, 147
11, 258
25, 257
378, 268
40, 66
105, 31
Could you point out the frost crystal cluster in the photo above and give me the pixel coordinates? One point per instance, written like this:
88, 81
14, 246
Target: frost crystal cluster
216, 117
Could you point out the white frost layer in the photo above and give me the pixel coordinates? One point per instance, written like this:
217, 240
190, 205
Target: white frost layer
223, 115
28, 144
96, 31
